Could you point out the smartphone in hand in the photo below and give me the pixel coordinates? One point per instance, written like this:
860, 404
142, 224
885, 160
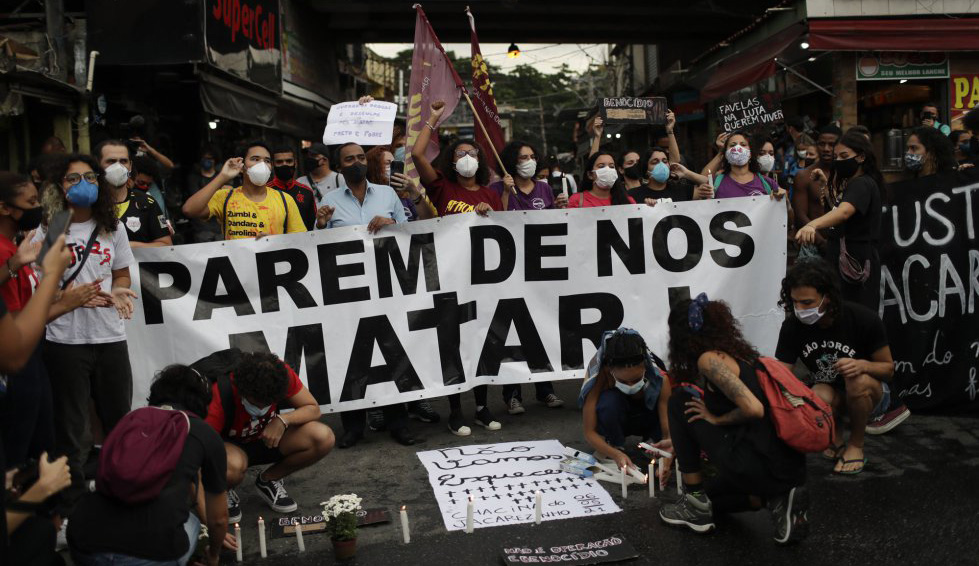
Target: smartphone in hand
58, 226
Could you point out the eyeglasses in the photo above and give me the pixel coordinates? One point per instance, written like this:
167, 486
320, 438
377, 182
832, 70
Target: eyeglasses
75, 178
471, 153
527, 157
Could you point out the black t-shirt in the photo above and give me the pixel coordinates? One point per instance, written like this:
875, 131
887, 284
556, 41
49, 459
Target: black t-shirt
864, 226
856, 333
142, 217
305, 201
152, 530
675, 189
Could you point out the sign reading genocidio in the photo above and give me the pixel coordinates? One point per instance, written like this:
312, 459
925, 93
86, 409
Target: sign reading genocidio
630, 110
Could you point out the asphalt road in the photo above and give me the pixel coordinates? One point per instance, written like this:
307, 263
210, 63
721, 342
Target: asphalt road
917, 503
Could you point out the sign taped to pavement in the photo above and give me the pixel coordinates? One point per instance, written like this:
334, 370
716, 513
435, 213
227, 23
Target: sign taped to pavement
588, 551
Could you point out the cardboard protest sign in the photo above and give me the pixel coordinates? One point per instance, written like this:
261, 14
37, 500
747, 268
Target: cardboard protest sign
632, 110
751, 112
587, 551
503, 479
366, 124
313, 524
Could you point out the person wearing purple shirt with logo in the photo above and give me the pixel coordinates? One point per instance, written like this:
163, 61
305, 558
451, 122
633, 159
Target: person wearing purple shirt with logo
522, 190
739, 175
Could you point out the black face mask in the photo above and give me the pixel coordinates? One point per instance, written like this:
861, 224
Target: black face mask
633, 172
846, 168
354, 174
310, 163
30, 218
284, 172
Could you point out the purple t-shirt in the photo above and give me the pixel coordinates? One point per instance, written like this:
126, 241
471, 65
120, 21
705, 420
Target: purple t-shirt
411, 213
729, 188
542, 197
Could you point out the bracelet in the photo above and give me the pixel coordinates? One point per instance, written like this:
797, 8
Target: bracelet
431, 127
284, 423
10, 270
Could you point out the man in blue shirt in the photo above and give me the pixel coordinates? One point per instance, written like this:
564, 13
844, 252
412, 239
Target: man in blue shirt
360, 202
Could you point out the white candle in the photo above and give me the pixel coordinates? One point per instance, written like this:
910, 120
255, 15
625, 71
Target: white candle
651, 478
469, 516
710, 179
299, 535
261, 538
564, 186
679, 482
404, 524
538, 511
625, 492
238, 542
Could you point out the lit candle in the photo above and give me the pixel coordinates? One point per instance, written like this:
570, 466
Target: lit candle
538, 511
299, 535
710, 179
564, 186
679, 482
261, 538
404, 524
238, 542
625, 493
469, 516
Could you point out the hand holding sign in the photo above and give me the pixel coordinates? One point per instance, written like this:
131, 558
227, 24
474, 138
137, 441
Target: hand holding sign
670, 121
598, 126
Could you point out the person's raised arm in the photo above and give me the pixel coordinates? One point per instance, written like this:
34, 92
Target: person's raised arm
589, 416
674, 147
162, 159
598, 127
196, 205
426, 172
714, 165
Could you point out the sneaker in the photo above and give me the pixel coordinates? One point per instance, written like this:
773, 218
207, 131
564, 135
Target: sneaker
789, 515
456, 425
515, 407
274, 493
484, 418
552, 401
375, 420
888, 421
234, 507
693, 511
422, 410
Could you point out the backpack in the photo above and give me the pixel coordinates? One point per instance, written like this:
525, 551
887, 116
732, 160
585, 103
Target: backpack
801, 419
217, 368
140, 454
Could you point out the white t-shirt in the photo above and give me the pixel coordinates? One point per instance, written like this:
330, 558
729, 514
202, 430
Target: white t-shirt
327, 185
109, 252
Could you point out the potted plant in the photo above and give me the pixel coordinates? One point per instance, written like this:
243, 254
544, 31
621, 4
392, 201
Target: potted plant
340, 513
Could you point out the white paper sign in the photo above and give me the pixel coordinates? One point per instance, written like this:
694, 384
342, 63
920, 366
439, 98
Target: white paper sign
503, 478
366, 124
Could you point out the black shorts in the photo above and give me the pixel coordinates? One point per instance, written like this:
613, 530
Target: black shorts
258, 453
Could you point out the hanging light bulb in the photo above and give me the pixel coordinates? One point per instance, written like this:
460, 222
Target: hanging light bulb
513, 51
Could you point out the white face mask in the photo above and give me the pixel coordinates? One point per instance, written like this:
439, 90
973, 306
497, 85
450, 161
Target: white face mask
387, 172
605, 177
738, 155
253, 410
810, 316
116, 174
630, 389
259, 174
766, 163
467, 166
526, 169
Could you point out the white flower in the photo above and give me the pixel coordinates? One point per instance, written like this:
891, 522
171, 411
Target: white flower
339, 504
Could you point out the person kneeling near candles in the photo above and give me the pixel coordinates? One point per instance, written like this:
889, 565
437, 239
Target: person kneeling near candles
624, 394
729, 423
163, 530
257, 434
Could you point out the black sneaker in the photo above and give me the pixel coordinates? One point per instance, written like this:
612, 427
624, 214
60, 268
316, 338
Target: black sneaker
234, 507
484, 418
375, 420
693, 511
423, 411
457, 425
274, 493
789, 515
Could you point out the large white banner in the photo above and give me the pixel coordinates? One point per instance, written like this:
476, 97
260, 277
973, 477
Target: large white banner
435, 307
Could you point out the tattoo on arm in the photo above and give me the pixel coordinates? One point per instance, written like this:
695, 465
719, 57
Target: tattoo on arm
733, 388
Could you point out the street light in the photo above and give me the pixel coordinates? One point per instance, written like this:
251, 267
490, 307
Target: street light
804, 45
617, 136
213, 124
513, 51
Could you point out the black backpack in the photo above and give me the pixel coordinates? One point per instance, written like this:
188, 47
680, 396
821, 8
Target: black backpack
217, 368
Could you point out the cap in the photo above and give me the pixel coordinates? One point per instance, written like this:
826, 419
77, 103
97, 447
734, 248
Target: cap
319, 148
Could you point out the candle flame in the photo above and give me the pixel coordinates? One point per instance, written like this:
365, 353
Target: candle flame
404, 507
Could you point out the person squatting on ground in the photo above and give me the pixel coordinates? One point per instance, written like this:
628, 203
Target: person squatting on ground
730, 424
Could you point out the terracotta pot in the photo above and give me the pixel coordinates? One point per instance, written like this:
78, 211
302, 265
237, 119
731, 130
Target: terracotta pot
344, 549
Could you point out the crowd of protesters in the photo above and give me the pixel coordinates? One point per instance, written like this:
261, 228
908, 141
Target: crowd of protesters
66, 381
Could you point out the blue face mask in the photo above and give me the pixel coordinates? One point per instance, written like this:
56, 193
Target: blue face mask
965, 148
660, 173
399, 153
207, 164
631, 389
254, 411
83, 194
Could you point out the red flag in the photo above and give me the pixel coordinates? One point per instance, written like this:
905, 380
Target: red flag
432, 78
483, 100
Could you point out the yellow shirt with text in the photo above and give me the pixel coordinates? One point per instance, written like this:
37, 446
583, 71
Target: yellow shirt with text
246, 218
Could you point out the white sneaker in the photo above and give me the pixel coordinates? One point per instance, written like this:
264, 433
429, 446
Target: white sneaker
515, 407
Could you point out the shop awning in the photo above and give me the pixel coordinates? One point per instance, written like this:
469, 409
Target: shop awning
230, 100
919, 34
750, 66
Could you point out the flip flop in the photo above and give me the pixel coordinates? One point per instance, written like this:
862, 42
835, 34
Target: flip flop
837, 452
863, 462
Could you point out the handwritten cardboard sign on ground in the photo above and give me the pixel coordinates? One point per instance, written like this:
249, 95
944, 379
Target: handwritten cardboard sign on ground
749, 113
588, 551
503, 479
632, 110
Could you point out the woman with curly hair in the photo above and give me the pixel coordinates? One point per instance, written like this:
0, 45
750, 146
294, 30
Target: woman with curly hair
929, 152
85, 350
729, 423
